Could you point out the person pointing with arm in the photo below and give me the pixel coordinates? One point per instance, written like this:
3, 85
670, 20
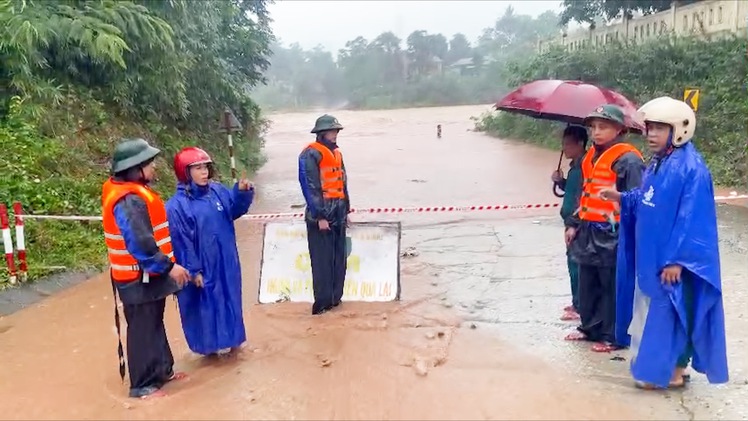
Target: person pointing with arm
591, 233
202, 214
670, 290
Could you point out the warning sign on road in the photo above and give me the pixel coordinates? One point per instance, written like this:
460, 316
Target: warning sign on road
373, 263
691, 97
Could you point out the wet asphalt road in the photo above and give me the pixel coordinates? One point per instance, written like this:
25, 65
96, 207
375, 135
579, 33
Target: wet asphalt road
503, 272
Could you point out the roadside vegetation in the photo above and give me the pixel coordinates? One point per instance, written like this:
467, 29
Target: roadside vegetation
645, 71
425, 69
78, 75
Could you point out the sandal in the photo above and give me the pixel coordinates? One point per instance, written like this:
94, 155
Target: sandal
570, 316
650, 386
576, 336
604, 347
154, 394
178, 375
570, 308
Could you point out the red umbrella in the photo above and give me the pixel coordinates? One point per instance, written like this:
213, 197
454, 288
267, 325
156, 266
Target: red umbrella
568, 101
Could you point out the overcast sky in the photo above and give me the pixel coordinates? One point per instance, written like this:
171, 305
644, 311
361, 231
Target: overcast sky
333, 23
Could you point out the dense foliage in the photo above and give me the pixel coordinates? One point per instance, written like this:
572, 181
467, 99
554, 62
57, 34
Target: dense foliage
643, 72
592, 11
77, 75
387, 72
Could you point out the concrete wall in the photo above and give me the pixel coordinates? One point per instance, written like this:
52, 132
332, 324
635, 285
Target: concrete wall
710, 17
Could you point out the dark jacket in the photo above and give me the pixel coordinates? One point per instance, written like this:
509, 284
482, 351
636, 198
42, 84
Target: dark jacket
572, 187
131, 215
334, 211
596, 243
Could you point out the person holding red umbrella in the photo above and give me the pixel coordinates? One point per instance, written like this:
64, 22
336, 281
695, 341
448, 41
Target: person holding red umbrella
574, 143
591, 234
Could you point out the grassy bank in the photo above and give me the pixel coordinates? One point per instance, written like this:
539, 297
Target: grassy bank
642, 72
76, 77
57, 168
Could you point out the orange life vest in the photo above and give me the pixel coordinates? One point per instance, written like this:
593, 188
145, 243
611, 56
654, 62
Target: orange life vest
598, 176
124, 267
332, 176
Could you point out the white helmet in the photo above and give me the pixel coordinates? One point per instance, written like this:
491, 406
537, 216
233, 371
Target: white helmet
673, 112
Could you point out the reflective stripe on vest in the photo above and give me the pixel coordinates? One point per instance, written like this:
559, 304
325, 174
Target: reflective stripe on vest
331, 174
124, 267
598, 176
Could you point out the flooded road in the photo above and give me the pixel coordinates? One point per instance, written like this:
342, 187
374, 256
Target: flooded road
476, 335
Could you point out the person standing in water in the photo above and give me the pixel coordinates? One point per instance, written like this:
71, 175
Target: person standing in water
591, 233
669, 283
142, 268
574, 143
201, 217
324, 184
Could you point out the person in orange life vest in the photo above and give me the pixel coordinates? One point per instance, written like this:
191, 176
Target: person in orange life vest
324, 184
142, 267
592, 233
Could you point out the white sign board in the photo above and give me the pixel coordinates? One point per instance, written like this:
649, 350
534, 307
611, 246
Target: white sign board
373, 263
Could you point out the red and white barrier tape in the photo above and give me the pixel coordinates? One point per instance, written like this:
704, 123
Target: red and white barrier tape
390, 210
21, 243
413, 209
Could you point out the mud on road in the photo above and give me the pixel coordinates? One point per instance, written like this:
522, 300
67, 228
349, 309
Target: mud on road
476, 335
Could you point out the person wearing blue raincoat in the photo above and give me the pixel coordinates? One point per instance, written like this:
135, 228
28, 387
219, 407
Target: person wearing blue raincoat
201, 219
669, 292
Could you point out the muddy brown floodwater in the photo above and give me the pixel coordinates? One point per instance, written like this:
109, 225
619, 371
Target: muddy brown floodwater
476, 335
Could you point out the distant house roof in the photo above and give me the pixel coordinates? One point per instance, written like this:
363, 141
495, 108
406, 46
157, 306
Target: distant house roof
468, 61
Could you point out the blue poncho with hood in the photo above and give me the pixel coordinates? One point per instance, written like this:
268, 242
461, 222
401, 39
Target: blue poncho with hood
671, 220
201, 222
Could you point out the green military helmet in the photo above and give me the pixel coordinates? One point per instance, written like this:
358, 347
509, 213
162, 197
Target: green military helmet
608, 112
326, 122
130, 153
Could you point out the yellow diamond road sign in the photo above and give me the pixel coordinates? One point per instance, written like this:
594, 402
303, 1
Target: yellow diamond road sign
691, 97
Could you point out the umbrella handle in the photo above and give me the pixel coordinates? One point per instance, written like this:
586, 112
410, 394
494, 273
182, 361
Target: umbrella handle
555, 191
558, 168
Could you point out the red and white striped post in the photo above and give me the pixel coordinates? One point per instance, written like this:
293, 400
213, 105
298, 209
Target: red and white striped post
8, 243
20, 241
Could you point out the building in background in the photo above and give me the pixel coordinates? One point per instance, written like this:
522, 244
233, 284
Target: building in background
712, 18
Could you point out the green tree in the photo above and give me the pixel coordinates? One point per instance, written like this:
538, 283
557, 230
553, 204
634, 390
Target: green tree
44, 43
383, 72
587, 11
513, 35
388, 58
459, 47
425, 51
77, 75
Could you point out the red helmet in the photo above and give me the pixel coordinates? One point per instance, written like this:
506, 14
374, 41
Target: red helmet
186, 157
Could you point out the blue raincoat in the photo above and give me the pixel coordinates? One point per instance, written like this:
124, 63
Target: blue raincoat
671, 219
201, 222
